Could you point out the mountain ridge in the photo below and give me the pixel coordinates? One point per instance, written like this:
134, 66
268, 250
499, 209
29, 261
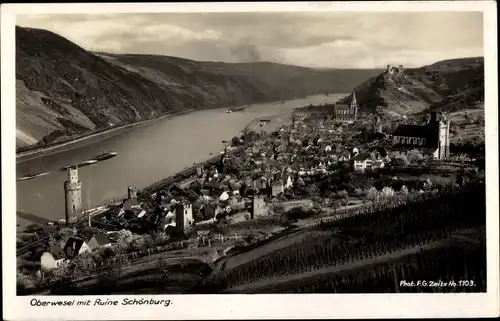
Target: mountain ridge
449, 86
63, 90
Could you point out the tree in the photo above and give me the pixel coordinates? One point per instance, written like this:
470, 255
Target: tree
359, 192
83, 265
287, 221
235, 141
414, 156
387, 192
372, 194
400, 160
342, 194
33, 228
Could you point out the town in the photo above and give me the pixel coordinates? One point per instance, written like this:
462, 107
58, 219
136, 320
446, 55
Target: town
329, 163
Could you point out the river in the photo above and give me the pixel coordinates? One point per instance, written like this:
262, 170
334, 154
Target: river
145, 155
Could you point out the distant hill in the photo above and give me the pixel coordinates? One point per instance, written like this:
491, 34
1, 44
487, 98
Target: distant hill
62, 90
449, 86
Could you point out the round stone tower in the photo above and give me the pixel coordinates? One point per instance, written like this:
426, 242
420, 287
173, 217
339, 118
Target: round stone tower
73, 195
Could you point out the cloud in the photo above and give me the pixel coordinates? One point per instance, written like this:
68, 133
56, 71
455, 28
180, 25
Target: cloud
323, 39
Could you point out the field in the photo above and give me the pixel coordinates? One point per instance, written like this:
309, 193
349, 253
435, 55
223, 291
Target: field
467, 126
420, 230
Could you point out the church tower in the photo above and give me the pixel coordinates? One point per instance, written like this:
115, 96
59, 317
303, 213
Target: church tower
353, 107
377, 125
73, 195
443, 132
444, 138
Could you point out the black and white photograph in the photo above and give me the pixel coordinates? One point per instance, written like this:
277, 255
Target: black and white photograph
211, 152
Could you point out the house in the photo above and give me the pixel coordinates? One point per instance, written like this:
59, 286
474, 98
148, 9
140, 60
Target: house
75, 246
212, 185
99, 240
344, 156
287, 181
258, 207
52, 259
167, 221
378, 164
208, 210
183, 217
235, 187
362, 162
224, 196
141, 214
276, 188
130, 205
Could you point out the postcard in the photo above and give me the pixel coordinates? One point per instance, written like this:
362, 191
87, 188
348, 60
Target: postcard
250, 160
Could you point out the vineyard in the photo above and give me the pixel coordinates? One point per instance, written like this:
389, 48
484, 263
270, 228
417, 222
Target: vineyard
421, 220
445, 264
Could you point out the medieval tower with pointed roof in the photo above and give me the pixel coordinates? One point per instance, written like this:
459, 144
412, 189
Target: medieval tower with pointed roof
347, 112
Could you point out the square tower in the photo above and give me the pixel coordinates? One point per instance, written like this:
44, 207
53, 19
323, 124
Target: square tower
444, 139
131, 192
183, 217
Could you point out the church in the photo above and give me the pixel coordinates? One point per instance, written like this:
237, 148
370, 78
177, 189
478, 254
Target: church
346, 112
433, 138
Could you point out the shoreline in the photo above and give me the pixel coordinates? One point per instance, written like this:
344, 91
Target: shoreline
60, 147
68, 145
145, 192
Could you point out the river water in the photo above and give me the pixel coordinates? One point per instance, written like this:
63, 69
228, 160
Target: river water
145, 155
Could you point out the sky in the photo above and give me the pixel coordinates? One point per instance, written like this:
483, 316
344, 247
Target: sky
313, 39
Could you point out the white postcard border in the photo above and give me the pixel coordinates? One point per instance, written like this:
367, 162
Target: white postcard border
254, 306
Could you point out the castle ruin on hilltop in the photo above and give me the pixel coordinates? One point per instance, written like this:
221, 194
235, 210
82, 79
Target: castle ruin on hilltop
393, 70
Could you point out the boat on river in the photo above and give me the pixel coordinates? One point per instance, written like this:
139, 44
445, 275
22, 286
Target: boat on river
32, 176
105, 156
81, 164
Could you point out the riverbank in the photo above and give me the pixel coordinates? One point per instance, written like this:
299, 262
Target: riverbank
86, 138
145, 155
94, 136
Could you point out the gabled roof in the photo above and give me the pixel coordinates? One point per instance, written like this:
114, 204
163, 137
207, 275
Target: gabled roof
212, 185
429, 132
361, 157
234, 186
73, 246
128, 203
342, 106
101, 239
57, 252
411, 131
346, 153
